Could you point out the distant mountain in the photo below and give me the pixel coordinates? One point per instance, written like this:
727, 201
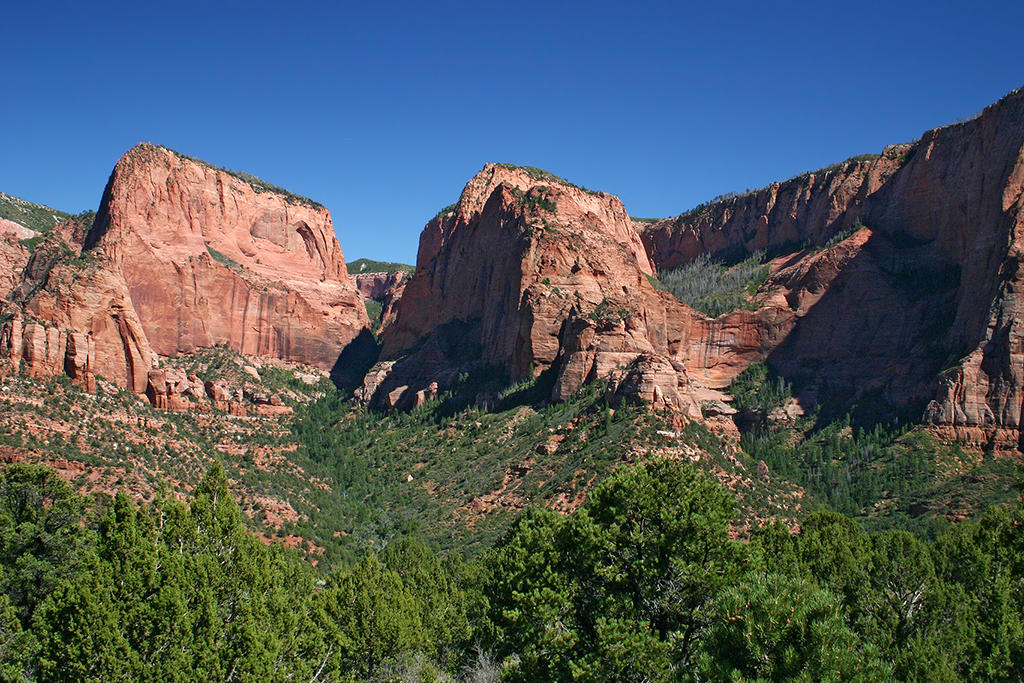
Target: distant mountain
32, 216
365, 265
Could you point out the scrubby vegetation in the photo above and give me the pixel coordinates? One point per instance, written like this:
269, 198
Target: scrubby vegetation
543, 176
33, 216
714, 288
258, 185
642, 583
491, 535
885, 474
365, 265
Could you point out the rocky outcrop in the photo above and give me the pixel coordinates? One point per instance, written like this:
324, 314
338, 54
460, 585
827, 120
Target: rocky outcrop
384, 288
175, 390
528, 274
380, 286
180, 256
806, 211
13, 258
17, 230
927, 308
894, 284
74, 316
214, 258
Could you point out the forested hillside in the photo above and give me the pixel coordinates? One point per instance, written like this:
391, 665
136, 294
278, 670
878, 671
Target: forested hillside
642, 583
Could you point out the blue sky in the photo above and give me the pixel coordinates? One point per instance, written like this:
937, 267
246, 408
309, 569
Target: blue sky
382, 111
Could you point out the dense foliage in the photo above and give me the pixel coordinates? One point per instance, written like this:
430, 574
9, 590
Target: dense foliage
642, 583
888, 474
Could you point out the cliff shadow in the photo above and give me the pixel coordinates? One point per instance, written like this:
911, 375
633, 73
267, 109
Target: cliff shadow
874, 343
355, 360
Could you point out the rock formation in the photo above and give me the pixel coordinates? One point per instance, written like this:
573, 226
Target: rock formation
214, 258
928, 306
72, 315
13, 258
806, 211
894, 283
528, 273
180, 256
384, 288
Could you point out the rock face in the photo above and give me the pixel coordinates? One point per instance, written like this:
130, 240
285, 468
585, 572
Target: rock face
13, 258
73, 315
18, 230
385, 288
896, 286
180, 256
211, 258
528, 274
808, 210
928, 306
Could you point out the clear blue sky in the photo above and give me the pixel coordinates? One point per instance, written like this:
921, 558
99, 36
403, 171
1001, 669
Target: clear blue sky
383, 110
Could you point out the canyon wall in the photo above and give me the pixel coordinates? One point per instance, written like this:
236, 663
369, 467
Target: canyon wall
180, 256
893, 286
928, 313
528, 274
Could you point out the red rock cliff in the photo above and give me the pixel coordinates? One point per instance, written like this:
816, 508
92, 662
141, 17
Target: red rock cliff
805, 211
528, 272
213, 258
928, 307
181, 255
921, 305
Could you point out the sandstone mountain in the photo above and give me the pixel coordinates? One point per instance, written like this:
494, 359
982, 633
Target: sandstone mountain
384, 289
893, 284
180, 256
927, 309
530, 274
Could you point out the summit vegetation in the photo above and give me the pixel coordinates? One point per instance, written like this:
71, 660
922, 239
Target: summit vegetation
33, 216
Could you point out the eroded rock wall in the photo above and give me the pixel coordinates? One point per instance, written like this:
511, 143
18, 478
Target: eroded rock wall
210, 258
180, 256
528, 274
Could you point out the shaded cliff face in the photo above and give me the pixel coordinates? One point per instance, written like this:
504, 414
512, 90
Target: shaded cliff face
805, 211
914, 308
211, 259
959, 200
928, 307
384, 288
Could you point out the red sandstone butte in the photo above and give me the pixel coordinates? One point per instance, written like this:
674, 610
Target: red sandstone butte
181, 255
210, 258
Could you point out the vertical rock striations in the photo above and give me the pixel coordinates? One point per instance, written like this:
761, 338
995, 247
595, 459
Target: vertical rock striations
528, 273
895, 285
928, 309
215, 258
180, 256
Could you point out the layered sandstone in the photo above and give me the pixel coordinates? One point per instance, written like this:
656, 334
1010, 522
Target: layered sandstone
916, 300
180, 256
806, 211
212, 258
13, 258
384, 288
73, 315
928, 308
529, 274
